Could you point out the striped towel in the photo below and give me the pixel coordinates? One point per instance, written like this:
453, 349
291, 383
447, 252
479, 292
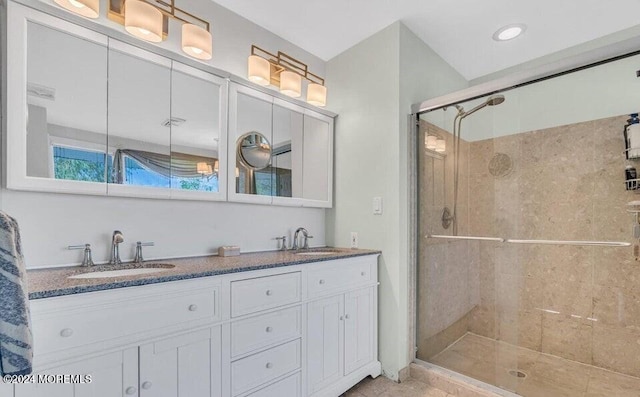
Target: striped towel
16, 351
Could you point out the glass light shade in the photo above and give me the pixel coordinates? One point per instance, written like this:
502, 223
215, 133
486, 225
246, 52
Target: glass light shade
86, 8
440, 145
290, 84
259, 70
430, 142
143, 20
202, 168
196, 41
317, 94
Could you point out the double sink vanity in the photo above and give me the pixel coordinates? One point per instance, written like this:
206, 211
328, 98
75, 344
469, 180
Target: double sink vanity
92, 111
281, 323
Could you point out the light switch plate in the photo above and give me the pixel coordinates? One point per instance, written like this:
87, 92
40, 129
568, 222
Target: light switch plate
354, 239
377, 206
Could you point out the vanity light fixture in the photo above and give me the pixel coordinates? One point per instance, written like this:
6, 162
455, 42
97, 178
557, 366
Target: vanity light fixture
86, 8
149, 20
285, 72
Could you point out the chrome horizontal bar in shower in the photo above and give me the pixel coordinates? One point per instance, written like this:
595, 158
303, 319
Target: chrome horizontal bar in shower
542, 242
498, 239
577, 243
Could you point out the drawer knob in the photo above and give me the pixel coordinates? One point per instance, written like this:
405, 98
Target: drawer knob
269, 365
341, 318
193, 308
363, 274
130, 391
269, 329
346, 316
147, 385
269, 292
321, 281
67, 332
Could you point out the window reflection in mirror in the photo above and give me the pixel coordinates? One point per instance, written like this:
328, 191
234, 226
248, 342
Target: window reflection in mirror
139, 121
195, 133
253, 115
66, 101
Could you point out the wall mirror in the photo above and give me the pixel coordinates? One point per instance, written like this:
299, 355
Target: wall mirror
66, 99
139, 114
286, 166
252, 131
196, 126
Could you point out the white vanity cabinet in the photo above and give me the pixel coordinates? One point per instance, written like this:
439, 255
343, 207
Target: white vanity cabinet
293, 331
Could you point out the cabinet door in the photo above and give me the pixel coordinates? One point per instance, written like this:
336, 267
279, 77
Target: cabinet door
358, 329
317, 160
57, 115
114, 374
139, 122
325, 340
250, 117
187, 365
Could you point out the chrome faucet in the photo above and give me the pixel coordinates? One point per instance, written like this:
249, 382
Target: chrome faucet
138, 258
306, 236
116, 239
86, 259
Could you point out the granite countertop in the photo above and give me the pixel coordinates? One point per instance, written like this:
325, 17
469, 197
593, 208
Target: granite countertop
46, 283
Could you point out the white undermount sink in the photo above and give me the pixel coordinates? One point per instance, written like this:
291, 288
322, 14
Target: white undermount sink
130, 270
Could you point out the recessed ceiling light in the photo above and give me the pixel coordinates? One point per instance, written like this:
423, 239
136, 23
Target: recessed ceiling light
509, 32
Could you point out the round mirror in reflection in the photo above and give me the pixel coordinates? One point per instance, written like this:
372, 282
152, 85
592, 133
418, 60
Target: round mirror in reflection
254, 150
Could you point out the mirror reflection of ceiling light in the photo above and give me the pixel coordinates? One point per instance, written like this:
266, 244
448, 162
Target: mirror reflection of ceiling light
86, 8
285, 72
509, 32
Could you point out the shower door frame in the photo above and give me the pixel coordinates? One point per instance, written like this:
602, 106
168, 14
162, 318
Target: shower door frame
589, 59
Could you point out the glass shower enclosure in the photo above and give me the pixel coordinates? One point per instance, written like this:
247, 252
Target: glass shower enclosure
527, 277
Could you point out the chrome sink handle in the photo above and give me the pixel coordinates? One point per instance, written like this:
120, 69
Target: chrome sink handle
116, 240
138, 258
87, 261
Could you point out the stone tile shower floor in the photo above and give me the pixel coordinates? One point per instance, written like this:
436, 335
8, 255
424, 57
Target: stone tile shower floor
491, 361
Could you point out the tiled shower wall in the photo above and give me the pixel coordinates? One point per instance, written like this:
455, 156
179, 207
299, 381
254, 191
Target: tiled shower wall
447, 289
580, 303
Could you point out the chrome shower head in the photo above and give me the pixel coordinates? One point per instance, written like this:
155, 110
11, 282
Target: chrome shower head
495, 100
491, 101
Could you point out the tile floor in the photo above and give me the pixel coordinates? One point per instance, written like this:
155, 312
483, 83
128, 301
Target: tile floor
384, 387
546, 375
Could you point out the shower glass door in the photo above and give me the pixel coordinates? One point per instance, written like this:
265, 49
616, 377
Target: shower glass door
526, 279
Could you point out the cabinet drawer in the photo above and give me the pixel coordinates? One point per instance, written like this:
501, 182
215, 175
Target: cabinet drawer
288, 387
254, 295
340, 275
256, 332
87, 325
260, 368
